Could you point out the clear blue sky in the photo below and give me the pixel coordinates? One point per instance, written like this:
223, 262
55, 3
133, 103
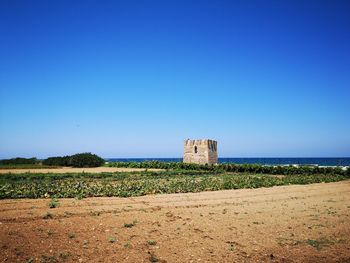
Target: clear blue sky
136, 78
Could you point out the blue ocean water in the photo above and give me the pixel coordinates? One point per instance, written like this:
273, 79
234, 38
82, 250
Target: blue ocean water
264, 161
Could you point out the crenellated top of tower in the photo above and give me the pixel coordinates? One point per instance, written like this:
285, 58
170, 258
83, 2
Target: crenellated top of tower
211, 144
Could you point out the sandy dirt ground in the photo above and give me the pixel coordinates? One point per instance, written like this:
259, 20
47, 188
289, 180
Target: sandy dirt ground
309, 223
75, 170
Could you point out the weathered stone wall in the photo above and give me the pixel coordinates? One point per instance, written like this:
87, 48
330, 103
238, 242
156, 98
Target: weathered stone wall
200, 151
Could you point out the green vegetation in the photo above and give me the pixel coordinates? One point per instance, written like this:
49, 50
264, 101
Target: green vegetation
76, 160
21, 163
128, 245
71, 235
48, 259
112, 239
57, 161
316, 243
151, 242
126, 184
130, 225
234, 168
320, 243
50, 232
19, 160
152, 257
53, 203
86, 160
48, 216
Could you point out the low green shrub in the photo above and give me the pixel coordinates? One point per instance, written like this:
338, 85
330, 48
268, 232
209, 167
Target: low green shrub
58, 161
86, 160
76, 160
19, 160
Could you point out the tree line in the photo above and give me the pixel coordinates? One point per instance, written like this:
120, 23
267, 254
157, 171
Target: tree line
76, 160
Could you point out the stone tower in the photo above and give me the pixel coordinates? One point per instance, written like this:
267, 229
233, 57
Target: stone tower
200, 151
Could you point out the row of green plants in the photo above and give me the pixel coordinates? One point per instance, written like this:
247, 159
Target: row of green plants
76, 160
236, 168
143, 183
105, 175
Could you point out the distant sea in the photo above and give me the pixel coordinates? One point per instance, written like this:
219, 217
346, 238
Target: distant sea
264, 161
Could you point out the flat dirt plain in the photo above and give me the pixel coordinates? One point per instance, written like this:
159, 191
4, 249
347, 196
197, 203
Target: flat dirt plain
298, 223
63, 170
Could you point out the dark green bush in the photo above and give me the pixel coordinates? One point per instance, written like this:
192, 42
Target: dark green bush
76, 160
86, 160
58, 161
19, 160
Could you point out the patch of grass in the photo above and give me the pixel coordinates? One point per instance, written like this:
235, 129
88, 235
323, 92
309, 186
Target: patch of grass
282, 241
50, 232
48, 259
54, 203
67, 214
128, 245
153, 257
18, 252
95, 213
130, 225
331, 211
319, 244
48, 215
112, 239
64, 255
232, 247
151, 242
316, 243
71, 235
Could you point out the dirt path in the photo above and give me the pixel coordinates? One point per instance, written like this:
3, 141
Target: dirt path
75, 170
308, 223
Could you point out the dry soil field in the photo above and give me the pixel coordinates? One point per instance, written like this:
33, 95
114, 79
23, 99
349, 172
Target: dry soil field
309, 223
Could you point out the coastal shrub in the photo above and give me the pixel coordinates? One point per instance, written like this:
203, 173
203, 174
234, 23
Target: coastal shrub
19, 160
58, 161
86, 160
76, 160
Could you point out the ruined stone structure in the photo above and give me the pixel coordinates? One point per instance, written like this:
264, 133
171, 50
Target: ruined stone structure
200, 151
